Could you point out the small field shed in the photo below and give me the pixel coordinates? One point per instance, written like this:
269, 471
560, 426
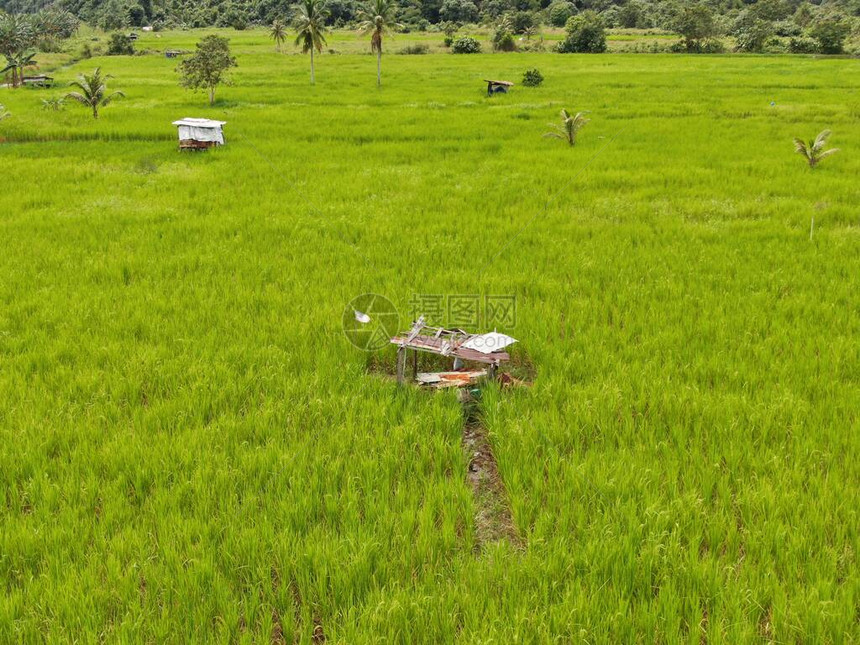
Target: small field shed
199, 134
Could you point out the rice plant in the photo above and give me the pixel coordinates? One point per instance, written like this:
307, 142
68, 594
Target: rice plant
191, 451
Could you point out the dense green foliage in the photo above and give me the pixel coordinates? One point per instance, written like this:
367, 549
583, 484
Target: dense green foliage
120, 45
190, 451
750, 22
585, 34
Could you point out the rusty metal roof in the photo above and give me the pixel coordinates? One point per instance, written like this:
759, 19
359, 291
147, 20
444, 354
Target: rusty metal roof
450, 342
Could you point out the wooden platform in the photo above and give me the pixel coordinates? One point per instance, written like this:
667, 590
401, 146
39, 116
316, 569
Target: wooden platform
191, 144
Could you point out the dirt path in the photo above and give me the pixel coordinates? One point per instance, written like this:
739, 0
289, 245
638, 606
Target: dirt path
493, 518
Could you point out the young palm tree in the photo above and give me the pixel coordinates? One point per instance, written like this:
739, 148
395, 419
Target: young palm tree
814, 151
93, 92
570, 126
309, 22
377, 19
278, 32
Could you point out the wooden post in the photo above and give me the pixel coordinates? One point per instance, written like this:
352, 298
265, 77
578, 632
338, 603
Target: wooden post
414, 364
491, 373
401, 364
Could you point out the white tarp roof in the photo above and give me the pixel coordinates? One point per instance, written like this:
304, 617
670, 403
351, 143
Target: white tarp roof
199, 123
489, 343
200, 130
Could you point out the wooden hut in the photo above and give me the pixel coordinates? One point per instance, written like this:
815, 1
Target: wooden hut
39, 80
497, 87
199, 134
485, 349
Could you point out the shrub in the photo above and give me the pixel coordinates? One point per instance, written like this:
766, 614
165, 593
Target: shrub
532, 78
560, 12
418, 48
449, 40
120, 45
533, 46
466, 45
503, 41
585, 33
712, 46
802, 45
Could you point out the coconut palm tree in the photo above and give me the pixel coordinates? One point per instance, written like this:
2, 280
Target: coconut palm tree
278, 32
377, 19
309, 22
570, 126
93, 92
814, 151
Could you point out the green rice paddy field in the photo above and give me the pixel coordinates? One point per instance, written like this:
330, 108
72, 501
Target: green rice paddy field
191, 451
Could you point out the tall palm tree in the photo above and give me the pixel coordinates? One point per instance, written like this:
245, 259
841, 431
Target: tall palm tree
814, 151
570, 126
309, 22
93, 92
377, 19
278, 32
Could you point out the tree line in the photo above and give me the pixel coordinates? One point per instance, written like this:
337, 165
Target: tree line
797, 26
742, 16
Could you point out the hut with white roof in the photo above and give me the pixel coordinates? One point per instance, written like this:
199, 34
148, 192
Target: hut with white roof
199, 134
